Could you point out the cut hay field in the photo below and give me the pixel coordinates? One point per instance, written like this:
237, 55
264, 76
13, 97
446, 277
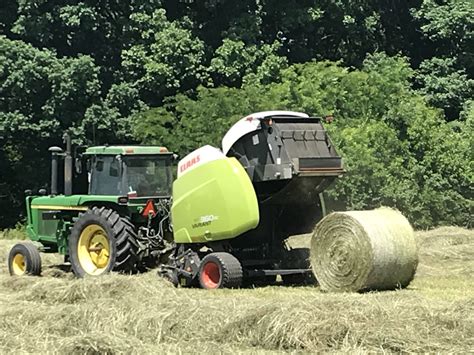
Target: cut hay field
143, 314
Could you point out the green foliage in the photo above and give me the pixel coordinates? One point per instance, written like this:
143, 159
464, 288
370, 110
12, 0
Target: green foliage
154, 127
42, 94
8, 13
449, 24
235, 62
179, 73
95, 28
339, 30
445, 75
445, 85
376, 168
167, 57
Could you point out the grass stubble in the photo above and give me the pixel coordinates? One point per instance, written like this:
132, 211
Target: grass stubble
57, 313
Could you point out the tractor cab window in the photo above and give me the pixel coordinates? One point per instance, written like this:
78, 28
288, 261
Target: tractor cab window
141, 176
148, 176
105, 176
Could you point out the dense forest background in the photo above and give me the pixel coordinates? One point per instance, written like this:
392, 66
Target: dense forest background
396, 75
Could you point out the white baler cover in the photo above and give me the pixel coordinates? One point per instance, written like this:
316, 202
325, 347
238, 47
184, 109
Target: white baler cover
249, 124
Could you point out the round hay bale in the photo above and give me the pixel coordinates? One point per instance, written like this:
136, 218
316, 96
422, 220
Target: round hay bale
364, 250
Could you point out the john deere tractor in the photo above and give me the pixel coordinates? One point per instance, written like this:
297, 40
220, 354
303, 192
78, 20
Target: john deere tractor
222, 222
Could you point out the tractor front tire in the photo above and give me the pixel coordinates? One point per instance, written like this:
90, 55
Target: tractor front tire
24, 259
220, 270
102, 241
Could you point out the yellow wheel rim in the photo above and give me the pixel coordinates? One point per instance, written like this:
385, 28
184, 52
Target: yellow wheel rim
19, 264
93, 250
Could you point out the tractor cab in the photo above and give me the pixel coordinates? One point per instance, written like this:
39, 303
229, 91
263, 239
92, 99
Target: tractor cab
132, 171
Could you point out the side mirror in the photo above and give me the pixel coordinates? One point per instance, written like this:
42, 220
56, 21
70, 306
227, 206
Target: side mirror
175, 157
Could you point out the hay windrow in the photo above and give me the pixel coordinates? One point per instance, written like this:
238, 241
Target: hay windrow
364, 250
142, 314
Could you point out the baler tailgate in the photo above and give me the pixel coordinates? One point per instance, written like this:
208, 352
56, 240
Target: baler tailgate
289, 159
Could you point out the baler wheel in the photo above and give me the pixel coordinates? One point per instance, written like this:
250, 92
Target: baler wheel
102, 241
220, 270
24, 259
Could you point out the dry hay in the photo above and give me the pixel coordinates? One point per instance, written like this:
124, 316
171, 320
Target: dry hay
364, 250
144, 314
446, 252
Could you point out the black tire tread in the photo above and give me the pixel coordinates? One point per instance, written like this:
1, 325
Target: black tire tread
230, 267
123, 232
32, 256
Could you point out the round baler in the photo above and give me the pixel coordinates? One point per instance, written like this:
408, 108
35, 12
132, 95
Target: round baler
246, 200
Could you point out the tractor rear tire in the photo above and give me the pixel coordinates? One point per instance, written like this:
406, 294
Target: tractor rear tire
24, 259
102, 241
220, 270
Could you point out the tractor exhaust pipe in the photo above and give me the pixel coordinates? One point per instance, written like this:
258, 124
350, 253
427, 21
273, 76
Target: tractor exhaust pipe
55, 153
67, 166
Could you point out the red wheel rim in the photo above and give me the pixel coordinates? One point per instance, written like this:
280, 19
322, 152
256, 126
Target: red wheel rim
210, 275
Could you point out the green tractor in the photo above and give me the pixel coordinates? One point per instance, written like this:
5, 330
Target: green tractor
222, 222
100, 222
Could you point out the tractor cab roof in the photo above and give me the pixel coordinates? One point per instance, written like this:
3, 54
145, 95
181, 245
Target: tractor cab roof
126, 150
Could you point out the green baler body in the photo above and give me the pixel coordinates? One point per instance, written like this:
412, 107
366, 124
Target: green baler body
212, 202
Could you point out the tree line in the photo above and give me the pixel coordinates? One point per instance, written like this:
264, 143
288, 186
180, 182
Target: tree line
397, 77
